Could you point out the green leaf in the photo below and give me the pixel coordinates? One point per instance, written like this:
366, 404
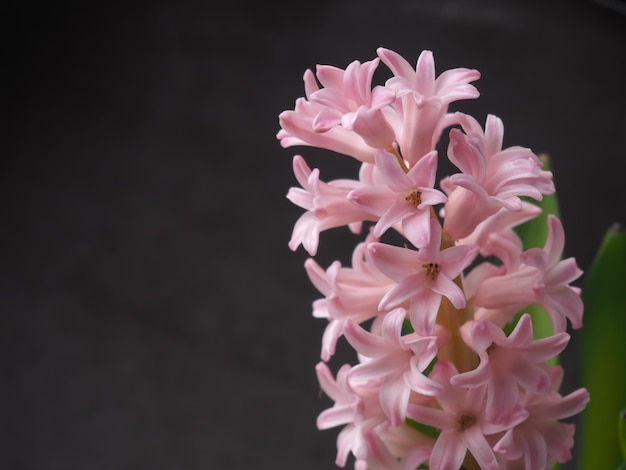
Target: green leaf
423, 428
621, 432
533, 234
603, 352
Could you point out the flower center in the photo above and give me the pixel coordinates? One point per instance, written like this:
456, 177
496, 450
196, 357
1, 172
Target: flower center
465, 420
414, 198
432, 269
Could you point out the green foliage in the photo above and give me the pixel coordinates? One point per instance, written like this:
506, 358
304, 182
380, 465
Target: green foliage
423, 428
603, 348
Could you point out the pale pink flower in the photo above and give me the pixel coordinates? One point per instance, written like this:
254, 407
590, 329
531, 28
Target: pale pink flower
463, 422
490, 178
424, 99
350, 292
507, 247
508, 363
502, 220
423, 277
406, 197
394, 360
380, 457
542, 439
327, 206
357, 410
297, 128
347, 99
542, 278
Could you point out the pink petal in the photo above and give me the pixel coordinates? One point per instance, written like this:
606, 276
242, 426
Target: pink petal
396, 63
363, 341
444, 286
327, 381
425, 73
555, 241
424, 172
448, 452
398, 210
335, 416
395, 262
480, 448
416, 380
301, 171
455, 259
423, 311
373, 199
394, 398
393, 174
410, 287
465, 157
331, 335
430, 197
416, 227
494, 134
326, 119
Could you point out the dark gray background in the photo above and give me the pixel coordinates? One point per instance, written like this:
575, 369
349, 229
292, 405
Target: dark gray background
152, 314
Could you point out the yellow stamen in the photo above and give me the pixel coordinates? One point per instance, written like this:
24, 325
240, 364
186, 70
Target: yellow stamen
432, 269
414, 198
465, 420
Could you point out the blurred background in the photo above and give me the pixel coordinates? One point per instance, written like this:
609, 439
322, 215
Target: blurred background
153, 316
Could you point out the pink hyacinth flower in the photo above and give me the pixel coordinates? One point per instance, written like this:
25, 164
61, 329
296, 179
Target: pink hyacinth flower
380, 458
406, 197
297, 128
423, 277
542, 439
326, 204
506, 363
350, 292
503, 220
395, 360
542, 278
424, 99
490, 178
347, 99
463, 422
357, 410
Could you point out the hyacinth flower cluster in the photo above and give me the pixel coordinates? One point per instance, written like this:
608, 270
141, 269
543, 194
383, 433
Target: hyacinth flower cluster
448, 373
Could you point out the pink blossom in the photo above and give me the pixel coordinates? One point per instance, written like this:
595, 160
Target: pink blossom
396, 361
463, 422
423, 277
297, 128
507, 247
347, 99
490, 178
350, 292
502, 220
380, 457
356, 409
542, 439
326, 204
407, 197
508, 363
542, 278
424, 99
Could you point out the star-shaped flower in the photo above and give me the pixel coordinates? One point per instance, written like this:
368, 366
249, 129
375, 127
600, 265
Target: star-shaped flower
463, 423
508, 363
423, 277
406, 198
